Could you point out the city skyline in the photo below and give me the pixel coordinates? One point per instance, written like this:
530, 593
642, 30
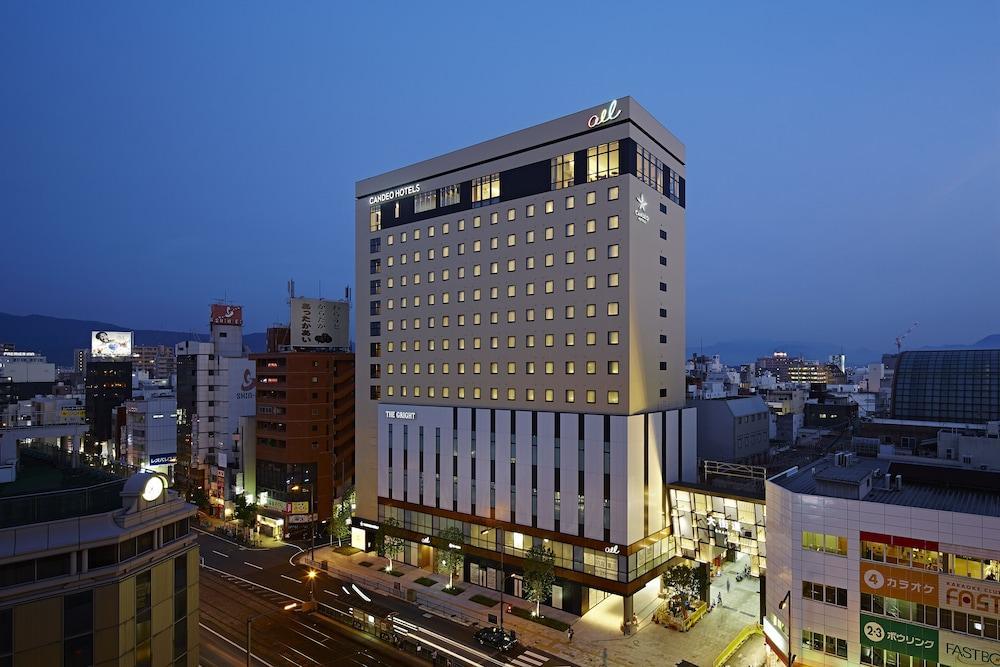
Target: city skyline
222, 148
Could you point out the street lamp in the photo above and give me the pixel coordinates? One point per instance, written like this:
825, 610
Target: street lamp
786, 603
288, 607
503, 576
312, 584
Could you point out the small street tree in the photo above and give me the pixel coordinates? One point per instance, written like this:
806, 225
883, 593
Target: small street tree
452, 559
200, 498
682, 581
387, 544
539, 575
340, 522
245, 513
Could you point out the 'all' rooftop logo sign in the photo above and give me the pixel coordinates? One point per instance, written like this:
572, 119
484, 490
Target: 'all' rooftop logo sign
606, 115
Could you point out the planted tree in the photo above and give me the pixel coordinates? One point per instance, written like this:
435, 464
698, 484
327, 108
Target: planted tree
539, 575
245, 513
682, 581
200, 498
452, 559
340, 522
388, 545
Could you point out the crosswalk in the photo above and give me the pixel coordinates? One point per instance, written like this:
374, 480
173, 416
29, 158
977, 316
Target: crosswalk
528, 659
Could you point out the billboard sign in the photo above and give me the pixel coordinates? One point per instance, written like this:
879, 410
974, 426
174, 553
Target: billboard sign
242, 387
111, 343
891, 635
225, 314
320, 323
162, 459
964, 650
299, 507
969, 595
900, 583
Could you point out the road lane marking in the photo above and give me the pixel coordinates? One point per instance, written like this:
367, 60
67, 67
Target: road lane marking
414, 627
220, 553
261, 586
336, 595
252, 565
359, 592
314, 641
529, 661
290, 660
285, 576
299, 652
535, 655
230, 641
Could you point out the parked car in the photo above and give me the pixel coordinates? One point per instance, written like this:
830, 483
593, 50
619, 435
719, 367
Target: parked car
496, 638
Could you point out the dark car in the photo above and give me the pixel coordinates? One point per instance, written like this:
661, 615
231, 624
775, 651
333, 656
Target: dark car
496, 638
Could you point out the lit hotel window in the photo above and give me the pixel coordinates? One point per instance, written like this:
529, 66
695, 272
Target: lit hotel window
562, 172
486, 189
602, 161
613, 222
613, 397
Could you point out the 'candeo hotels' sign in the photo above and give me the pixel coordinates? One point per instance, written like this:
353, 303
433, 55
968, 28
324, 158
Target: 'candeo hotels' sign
389, 195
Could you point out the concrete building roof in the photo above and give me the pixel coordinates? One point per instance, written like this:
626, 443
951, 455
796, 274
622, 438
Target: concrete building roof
926, 486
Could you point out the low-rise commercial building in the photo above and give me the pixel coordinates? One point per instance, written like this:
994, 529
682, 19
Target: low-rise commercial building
732, 429
883, 563
107, 575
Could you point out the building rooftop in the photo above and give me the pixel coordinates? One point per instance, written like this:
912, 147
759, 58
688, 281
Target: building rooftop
923, 485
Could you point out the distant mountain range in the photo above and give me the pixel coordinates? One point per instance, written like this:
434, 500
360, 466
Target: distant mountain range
57, 337
745, 351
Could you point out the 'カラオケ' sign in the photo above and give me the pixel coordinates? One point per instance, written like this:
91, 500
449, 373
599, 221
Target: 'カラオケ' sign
607, 114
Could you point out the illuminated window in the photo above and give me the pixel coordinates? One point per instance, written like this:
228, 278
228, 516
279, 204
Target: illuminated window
570, 367
613, 193
494, 368
494, 218
375, 220
570, 396
591, 338
612, 397
511, 316
613, 250
550, 313
511, 394
461, 225
461, 392
529, 367
591, 284
570, 339
529, 314
591, 198
561, 168
476, 392
570, 256
529, 340
477, 368
550, 395
511, 214
570, 312
612, 308
570, 284
529, 236
591, 368
570, 229
613, 337
476, 294
390, 240
511, 265
529, 394
613, 222
602, 161
549, 287
494, 268
549, 340
445, 228
529, 211
591, 396
613, 368
591, 254
476, 222
613, 279
550, 368
550, 259
570, 202
511, 240
591, 310
549, 206
550, 233
486, 189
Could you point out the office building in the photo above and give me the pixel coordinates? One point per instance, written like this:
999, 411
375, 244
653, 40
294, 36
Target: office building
304, 437
149, 434
522, 352
960, 386
105, 574
25, 375
216, 386
157, 361
884, 563
732, 429
108, 385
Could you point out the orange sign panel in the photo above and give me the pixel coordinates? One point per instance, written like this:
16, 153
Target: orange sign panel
900, 583
970, 595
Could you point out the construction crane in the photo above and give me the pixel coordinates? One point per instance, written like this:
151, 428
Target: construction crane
899, 338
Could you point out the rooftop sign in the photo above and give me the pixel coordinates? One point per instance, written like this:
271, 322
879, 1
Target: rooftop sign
605, 115
389, 195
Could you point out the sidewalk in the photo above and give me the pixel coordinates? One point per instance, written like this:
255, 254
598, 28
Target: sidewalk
211, 525
598, 639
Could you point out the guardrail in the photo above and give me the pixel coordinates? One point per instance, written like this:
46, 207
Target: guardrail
738, 640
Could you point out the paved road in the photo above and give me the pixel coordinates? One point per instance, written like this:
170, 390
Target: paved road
272, 575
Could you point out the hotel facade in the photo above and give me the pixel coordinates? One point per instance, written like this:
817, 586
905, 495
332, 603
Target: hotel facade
520, 344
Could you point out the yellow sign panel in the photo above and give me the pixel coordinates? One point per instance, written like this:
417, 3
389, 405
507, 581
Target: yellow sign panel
300, 508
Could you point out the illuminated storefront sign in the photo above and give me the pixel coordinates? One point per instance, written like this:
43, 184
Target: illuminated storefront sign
900, 583
640, 209
400, 414
612, 550
389, 195
299, 508
891, 635
365, 524
970, 595
606, 115
962, 650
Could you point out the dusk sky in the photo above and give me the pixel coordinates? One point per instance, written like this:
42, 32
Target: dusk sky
843, 159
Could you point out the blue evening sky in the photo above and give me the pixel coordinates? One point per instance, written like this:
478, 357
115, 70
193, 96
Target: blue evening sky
843, 157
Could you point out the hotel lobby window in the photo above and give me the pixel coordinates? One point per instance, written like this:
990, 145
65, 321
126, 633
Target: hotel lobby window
486, 190
602, 161
426, 201
449, 196
562, 171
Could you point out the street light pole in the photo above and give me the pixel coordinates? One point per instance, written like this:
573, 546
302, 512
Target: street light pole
312, 520
251, 619
786, 603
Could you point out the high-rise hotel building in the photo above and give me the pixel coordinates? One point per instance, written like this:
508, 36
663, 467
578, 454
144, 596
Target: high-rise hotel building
520, 338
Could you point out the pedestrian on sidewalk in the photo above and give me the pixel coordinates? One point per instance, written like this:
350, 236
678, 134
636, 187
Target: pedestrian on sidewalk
569, 634
728, 582
635, 621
